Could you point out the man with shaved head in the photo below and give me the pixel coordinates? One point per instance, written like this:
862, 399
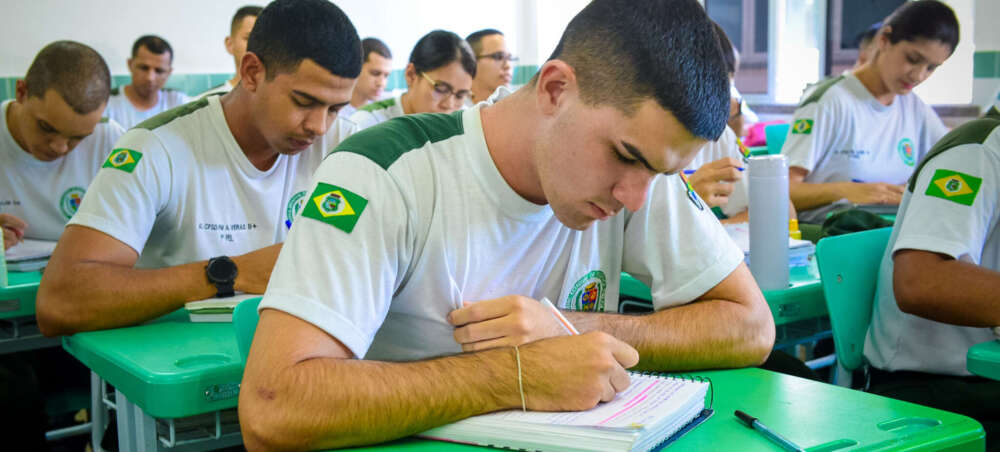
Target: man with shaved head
53, 140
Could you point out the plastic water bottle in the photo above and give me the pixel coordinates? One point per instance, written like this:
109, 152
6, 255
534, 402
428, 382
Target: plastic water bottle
769, 221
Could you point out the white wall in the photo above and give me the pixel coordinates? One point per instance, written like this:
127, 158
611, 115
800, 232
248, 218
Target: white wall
196, 28
952, 82
987, 39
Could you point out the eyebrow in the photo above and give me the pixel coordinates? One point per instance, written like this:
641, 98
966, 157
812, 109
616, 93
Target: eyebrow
57, 132
317, 101
638, 156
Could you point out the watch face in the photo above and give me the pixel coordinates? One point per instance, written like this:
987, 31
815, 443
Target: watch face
222, 269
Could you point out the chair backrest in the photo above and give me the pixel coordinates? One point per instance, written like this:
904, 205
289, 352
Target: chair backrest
245, 319
775, 135
849, 267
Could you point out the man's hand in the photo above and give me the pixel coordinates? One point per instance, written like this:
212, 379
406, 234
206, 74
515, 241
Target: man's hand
13, 230
254, 269
574, 373
503, 322
874, 193
714, 180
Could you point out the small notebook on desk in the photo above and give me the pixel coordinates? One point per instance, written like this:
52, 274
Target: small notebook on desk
219, 310
29, 255
653, 412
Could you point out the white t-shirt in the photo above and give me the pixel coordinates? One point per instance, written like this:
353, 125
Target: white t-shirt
841, 133
189, 193
47, 194
726, 146
221, 89
123, 112
953, 210
411, 217
377, 112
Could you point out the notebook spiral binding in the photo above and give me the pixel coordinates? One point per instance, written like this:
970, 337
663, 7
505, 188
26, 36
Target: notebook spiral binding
688, 377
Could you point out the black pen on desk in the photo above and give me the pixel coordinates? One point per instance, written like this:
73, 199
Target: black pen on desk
754, 424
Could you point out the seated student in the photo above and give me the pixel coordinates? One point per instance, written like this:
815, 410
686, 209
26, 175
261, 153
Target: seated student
236, 45
53, 140
939, 279
374, 75
438, 80
493, 64
145, 96
856, 137
220, 177
434, 234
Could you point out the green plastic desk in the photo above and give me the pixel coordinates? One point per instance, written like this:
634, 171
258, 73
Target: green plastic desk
169, 368
984, 359
17, 299
802, 300
817, 416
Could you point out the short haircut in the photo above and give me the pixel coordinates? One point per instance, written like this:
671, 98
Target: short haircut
926, 19
868, 35
75, 71
726, 46
242, 13
154, 44
289, 31
476, 38
626, 51
440, 48
369, 45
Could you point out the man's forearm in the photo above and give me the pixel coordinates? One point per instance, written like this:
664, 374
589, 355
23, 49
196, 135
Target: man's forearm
85, 296
327, 402
704, 334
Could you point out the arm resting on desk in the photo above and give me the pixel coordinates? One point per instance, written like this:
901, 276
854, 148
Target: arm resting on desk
807, 195
939, 288
301, 390
90, 283
729, 326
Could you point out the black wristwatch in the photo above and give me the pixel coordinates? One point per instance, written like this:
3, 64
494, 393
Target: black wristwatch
222, 272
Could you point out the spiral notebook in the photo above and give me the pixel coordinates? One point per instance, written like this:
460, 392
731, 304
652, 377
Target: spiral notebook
653, 412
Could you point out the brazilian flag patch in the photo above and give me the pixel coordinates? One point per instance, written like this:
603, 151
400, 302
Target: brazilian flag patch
802, 127
954, 186
335, 206
123, 159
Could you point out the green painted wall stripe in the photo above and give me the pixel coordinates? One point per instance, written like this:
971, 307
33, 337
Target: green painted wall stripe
194, 84
986, 64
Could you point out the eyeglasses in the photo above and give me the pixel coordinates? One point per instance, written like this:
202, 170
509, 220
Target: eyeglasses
444, 89
499, 57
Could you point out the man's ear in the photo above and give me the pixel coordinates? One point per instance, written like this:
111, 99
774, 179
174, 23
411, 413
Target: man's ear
229, 45
252, 72
21, 91
556, 82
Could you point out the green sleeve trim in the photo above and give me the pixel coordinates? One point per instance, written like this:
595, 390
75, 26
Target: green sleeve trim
386, 142
820, 90
172, 114
380, 105
972, 132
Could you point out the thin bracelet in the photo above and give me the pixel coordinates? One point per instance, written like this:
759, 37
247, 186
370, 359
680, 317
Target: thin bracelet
520, 382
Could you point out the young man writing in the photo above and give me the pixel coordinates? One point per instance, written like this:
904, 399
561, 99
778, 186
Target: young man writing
411, 219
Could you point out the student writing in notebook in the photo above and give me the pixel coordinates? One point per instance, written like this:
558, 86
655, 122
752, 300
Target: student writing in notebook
194, 202
53, 140
858, 136
429, 235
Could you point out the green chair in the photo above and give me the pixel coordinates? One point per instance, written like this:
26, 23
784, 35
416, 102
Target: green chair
848, 268
245, 319
775, 134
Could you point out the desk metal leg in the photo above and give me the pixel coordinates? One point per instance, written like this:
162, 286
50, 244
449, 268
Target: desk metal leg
136, 430
98, 413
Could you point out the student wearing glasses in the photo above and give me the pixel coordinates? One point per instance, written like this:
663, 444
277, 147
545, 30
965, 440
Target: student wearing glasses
856, 138
438, 80
493, 64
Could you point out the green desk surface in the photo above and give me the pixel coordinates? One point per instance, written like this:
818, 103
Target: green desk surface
170, 368
984, 359
817, 416
17, 299
803, 299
